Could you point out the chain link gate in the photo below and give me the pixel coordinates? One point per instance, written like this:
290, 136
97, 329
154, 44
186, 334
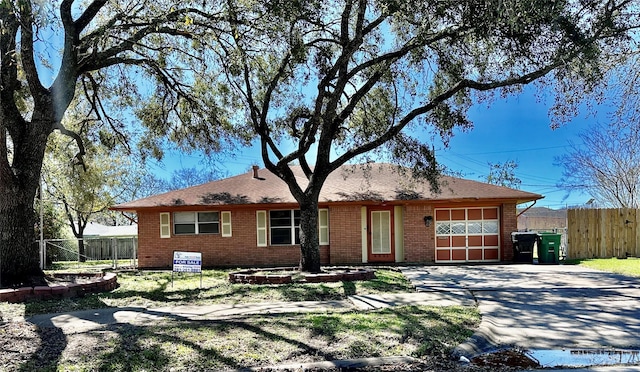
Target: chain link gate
99, 253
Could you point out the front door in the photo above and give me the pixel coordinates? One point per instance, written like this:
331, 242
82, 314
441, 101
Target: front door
381, 247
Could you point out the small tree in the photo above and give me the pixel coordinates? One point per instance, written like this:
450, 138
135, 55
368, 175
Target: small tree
325, 82
83, 190
187, 177
503, 174
138, 182
53, 227
52, 221
605, 164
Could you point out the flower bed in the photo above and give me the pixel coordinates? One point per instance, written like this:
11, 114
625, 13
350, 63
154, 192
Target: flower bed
67, 285
290, 275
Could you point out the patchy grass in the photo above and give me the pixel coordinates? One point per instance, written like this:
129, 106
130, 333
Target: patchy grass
421, 332
157, 289
427, 333
629, 266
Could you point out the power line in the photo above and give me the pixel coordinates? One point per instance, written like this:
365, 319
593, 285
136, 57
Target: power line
485, 169
515, 150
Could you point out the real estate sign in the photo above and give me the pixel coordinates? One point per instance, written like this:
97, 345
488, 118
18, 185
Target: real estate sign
187, 262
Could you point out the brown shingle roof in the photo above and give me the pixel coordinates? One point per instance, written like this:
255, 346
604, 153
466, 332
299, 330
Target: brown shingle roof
348, 183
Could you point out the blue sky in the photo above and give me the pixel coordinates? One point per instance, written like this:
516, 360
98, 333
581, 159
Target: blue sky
517, 128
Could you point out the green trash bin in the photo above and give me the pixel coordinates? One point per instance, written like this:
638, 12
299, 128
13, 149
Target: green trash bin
549, 248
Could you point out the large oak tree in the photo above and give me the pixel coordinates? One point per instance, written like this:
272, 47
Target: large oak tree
324, 82
137, 54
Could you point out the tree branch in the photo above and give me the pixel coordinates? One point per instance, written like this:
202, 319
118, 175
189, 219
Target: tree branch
101, 113
12, 119
26, 52
78, 159
440, 98
89, 14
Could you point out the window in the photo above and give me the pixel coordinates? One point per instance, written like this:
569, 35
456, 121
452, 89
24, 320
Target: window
261, 222
184, 223
165, 225
323, 226
196, 223
208, 223
490, 227
285, 227
226, 224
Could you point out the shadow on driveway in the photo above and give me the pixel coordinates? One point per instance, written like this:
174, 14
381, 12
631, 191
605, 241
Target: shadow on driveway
543, 306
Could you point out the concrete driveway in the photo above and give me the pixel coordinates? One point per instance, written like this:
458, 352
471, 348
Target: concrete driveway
543, 306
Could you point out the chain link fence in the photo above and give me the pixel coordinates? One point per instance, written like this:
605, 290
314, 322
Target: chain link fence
98, 253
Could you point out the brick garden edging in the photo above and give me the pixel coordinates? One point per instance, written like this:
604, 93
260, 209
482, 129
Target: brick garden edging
331, 275
101, 282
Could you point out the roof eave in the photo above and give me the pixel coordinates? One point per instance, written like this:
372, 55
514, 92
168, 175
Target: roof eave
122, 209
515, 200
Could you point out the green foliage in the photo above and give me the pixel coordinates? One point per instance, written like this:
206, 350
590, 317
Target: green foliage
352, 77
53, 221
504, 174
82, 190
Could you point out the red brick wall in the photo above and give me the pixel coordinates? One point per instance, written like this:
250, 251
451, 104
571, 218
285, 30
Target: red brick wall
509, 223
419, 240
345, 234
239, 250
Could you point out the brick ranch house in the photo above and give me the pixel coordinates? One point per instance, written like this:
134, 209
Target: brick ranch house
371, 214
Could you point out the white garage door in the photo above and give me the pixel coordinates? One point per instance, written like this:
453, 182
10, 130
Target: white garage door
467, 234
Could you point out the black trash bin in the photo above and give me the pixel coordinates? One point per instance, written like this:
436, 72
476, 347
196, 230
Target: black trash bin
524, 244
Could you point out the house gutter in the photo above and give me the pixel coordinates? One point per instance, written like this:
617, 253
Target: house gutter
526, 209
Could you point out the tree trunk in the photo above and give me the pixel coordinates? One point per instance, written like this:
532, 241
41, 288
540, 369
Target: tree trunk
81, 251
19, 251
19, 181
309, 241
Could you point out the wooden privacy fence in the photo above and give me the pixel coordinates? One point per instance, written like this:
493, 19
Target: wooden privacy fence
603, 233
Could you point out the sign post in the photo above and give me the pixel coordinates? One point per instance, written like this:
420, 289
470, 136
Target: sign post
187, 262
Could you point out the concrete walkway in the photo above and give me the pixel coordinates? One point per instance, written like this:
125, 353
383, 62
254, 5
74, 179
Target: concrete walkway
86, 320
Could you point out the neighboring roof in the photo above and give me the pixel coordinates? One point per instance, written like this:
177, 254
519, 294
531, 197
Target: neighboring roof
348, 183
544, 212
95, 229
